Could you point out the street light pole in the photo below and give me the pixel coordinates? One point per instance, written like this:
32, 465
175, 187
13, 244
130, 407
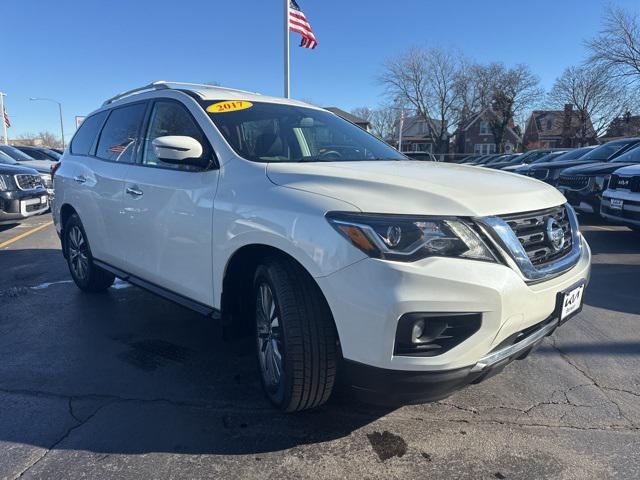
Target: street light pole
59, 111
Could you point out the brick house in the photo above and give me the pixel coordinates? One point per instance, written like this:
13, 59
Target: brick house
475, 136
361, 122
623, 127
419, 134
558, 129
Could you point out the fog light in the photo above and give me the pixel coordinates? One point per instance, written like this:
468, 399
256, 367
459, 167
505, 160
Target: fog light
417, 330
430, 334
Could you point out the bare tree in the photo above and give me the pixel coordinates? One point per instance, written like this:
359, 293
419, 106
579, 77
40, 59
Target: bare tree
426, 80
44, 138
365, 113
597, 97
382, 120
510, 93
617, 47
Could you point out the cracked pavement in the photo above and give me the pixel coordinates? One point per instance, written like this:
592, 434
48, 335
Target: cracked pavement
126, 385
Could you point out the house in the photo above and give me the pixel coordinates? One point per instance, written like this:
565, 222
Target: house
558, 129
361, 122
623, 127
474, 136
419, 134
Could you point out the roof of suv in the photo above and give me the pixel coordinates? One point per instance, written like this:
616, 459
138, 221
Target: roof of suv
206, 92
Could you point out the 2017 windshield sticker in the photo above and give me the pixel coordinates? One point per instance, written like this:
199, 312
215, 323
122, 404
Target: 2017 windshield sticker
229, 106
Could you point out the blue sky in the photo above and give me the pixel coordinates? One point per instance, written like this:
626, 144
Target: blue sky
82, 51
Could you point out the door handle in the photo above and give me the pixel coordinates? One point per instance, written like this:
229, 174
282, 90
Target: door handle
80, 178
135, 191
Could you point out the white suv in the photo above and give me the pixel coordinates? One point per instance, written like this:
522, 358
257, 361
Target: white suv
405, 280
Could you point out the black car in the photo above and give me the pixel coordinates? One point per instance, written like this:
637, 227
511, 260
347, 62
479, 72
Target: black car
559, 156
422, 156
524, 159
22, 193
550, 172
40, 153
583, 185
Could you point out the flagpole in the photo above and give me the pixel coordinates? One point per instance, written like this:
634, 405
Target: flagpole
286, 49
4, 123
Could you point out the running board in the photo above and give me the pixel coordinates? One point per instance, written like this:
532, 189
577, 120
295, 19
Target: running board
160, 291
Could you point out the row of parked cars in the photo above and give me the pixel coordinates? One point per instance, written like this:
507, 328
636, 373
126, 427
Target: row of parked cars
25, 181
602, 180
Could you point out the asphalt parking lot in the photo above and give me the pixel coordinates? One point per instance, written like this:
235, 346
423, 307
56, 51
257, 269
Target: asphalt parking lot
127, 385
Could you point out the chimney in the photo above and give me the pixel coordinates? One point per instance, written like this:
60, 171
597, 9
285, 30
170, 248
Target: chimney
566, 125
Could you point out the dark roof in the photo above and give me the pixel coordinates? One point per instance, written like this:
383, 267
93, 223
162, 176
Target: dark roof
627, 126
550, 123
347, 116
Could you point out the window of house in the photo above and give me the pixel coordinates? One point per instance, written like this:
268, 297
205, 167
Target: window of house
484, 148
484, 127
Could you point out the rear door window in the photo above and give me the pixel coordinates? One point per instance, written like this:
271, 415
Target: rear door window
119, 136
86, 135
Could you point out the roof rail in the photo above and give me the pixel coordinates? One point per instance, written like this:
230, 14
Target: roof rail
162, 85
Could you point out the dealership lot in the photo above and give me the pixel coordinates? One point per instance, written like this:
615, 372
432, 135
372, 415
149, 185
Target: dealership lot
128, 385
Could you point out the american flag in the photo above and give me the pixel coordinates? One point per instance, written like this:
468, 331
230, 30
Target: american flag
298, 23
7, 123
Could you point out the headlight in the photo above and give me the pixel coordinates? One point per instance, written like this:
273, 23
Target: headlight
6, 183
404, 238
601, 182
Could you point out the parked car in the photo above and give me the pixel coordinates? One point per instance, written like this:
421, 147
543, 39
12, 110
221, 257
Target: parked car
43, 167
621, 201
499, 160
583, 185
550, 172
422, 156
22, 194
40, 153
559, 156
57, 150
486, 159
406, 279
526, 158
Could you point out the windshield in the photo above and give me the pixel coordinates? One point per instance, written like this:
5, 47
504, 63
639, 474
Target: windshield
632, 156
606, 151
53, 154
6, 159
270, 132
15, 153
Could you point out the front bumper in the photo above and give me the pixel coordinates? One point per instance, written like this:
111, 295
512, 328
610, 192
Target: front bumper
19, 204
586, 200
368, 298
629, 214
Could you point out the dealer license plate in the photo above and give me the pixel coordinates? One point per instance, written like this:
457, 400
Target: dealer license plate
616, 204
571, 302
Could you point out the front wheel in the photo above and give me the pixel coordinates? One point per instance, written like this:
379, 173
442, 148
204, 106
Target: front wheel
86, 275
296, 339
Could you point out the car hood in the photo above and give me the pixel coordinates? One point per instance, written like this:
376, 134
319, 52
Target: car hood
418, 188
519, 167
600, 168
16, 170
561, 165
42, 166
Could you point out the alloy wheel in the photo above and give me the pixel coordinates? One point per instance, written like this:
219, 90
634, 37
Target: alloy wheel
269, 337
78, 253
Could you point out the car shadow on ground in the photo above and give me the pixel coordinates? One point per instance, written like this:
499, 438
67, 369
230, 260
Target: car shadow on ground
128, 372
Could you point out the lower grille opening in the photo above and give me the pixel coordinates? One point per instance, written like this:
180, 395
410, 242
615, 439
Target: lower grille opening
432, 334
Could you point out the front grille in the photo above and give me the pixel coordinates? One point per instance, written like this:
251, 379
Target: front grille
628, 183
28, 182
574, 182
540, 174
531, 230
33, 207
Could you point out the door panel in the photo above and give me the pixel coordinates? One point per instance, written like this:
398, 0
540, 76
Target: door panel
169, 216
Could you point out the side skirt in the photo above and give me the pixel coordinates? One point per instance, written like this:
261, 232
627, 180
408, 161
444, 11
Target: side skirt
160, 291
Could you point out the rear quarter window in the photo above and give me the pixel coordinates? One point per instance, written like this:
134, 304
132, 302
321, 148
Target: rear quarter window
120, 133
87, 133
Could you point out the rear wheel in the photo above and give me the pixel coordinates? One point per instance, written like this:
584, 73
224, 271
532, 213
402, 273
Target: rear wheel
296, 339
87, 276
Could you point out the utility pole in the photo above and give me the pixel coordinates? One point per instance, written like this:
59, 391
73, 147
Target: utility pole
286, 49
4, 123
59, 111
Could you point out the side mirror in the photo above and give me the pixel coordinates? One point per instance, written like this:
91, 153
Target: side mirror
179, 150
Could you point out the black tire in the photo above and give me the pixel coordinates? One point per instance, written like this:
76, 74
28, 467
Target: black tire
304, 333
86, 275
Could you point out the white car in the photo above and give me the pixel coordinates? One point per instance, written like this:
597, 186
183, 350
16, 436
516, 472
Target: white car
405, 279
621, 201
